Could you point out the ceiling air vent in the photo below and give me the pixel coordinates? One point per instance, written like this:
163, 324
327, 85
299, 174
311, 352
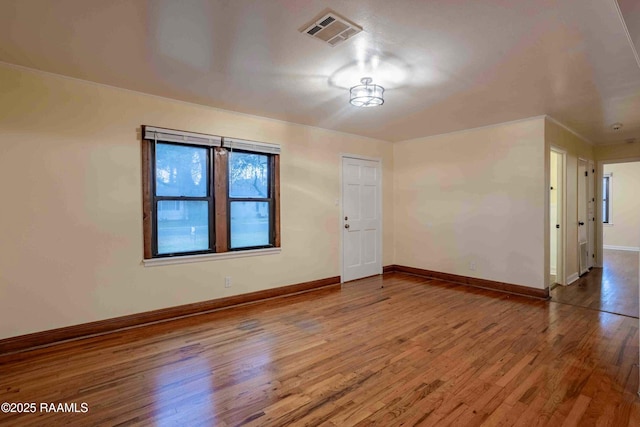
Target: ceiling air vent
332, 28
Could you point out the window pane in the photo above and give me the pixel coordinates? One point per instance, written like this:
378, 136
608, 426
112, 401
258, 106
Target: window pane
181, 170
248, 175
249, 224
183, 226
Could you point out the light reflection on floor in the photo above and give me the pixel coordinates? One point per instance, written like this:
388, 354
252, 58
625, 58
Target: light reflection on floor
612, 289
185, 392
181, 392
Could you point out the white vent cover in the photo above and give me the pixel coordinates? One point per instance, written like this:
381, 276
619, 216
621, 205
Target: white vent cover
332, 29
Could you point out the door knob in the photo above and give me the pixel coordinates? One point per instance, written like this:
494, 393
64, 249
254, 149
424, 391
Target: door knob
346, 226
581, 223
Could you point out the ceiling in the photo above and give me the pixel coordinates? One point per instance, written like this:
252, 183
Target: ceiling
447, 65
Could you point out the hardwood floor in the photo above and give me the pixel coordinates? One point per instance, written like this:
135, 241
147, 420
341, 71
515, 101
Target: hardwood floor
414, 352
613, 288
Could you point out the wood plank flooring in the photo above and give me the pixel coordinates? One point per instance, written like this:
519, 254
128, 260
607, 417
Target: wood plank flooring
613, 288
414, 352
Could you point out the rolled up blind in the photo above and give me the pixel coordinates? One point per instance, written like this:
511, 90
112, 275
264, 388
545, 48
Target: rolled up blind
258, 147
170, 135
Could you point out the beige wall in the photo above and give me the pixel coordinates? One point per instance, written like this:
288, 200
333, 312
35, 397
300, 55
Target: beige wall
624, 230
575, 148
71, 227
476, 196
617, 151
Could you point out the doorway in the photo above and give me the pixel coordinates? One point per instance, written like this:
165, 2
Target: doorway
586, 216
556, 217
613, 286
620, 237
361, 217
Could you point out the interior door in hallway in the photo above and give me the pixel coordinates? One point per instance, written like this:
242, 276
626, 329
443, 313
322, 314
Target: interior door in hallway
361, 220
591, 214
583, 215
557, 208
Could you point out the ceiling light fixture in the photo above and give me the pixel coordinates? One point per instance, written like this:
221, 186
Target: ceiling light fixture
366, 94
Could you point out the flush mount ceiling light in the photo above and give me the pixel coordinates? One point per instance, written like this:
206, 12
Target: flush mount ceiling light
366, 94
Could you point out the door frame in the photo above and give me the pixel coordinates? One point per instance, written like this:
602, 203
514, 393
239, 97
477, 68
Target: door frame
591, 230
561, 278
599, 232
585, 205
341, 218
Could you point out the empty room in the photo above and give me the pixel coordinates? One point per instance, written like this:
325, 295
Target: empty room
319, 213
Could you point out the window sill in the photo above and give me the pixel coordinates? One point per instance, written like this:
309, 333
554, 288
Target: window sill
187, 259
608, 224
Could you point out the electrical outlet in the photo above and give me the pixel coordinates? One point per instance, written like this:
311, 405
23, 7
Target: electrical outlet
227, 282
472, 266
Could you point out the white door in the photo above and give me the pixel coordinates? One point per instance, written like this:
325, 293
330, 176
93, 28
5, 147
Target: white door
361, 225
591, 214
583, 212
556, 216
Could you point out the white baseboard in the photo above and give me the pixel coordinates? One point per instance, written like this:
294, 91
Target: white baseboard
622, 248
572, 278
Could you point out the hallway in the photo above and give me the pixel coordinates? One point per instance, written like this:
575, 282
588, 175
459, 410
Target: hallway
613, 289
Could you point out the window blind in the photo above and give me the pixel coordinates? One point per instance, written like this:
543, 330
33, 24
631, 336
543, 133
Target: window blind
170, 135
258, 147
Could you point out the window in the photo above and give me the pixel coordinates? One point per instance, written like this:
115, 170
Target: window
183, 199
205, 194
606, 199
250, 200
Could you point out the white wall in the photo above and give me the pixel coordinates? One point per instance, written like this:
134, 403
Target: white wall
71, 229
476, 196
612, 154
624, 230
